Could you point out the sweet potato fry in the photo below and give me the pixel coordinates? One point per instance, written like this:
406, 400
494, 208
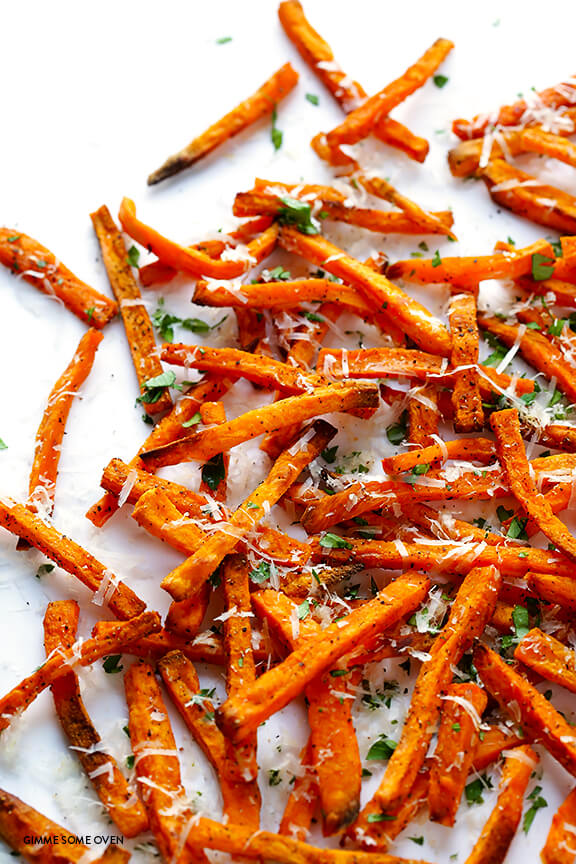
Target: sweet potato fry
360, 122
560, 846
194, 261
493, 742
466, 398
548, 657
137, 324
53, 424
498, 833
65, 553
512, 456
294, 409
480, 450
303, 801
471, 611
256, 106
422, 327
395, 134
329, 716
531, 709
524, 195
554, 588
129, 815
423, 416
170, 427
283, 295
19, 821
116, 474
157, 764
81, 654
214, 472
187, 579
41, 268
383, 189
457, 741
468, 271
464, 160
515, 114
155, 512
233, 363
238, 716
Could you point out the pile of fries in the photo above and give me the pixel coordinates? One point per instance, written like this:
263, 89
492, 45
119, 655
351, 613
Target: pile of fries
294, 627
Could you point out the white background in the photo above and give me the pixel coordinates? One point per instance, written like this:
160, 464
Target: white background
95, 96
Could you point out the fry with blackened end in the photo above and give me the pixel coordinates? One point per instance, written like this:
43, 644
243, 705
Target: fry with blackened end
187, 579
498, 833
65, 553
137, 324
258, 105
560, 846
467, 271
512, 456
170, 427
129, 815
19, 822
530, 708
536, 350
81, 654
53, 424
37, 265
524, 195
457, 740
548, 657
374, 830
466, 398
359, 123
157, 764
275, 688
422, 327
192, 260
471, 611
294, 409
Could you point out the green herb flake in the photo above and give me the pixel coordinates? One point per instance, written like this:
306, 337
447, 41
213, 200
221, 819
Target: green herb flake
112, 664
223, 40
193, 421
130, 762
279, 274
334, 541
475, 789
418, 840
304, 610
440, 80
380, 817
503, 514
516, 530
538, 803
456, 727
521, 621
43, 570
396, 432
382, 748
90, 312
313, 98
134, 256
299, 214
542, 267
275, 134
557, 326
274, 778
436, 260
262, 572
329, 454
421, 469
214, 471
3, 445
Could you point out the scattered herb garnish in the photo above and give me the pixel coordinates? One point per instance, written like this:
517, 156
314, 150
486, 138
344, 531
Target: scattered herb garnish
334, 541
112, 664
275, 134
542, 267
313, 98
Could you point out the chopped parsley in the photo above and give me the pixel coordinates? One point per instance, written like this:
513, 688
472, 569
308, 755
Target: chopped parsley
475, 789
154, 388
396, 432
164, 322
516, 530
436, 260
223, 40
538, 803
3, 445
274, 778
334, 541
275, 134
521, 621
313, 98
262, 572
421, 469
380, 817
112, 664
440, 80
279, 274
304, 610
214, 471
329, 454
418, 840
193, 421
542, 267
503, 514
382, 748
557, 326
299, 214
130, 762
134, 256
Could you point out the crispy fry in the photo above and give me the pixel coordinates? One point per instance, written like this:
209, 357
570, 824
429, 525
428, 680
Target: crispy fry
52, 427
468, 271
37, 265
157, 765
457, 741
359, 123
543, 204
498, 833
60, 625
532, 710
238, 716
494, 741
65, 553
294, 409
560, 846
480, 450
116, 474
169, 428
252, 109
383, 189
397, 135
423, 416
137, 324
81, 654
187, 579
554, 588
471, 611
464, 159
155, 512
215, 471
466, 398
19, 821
190, 260
536, 350
548, 657
329, 716
376, 836
422, 327
303, 801
512, 456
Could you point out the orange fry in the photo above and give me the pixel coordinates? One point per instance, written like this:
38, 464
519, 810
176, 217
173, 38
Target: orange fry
190, 260
129, 815
41, 268
498, 833
374, 835
422, 327
554, 588
548, 657
383, 189
65, 553
52, 427
531, 709
137, 324
466, 397
275, 688
423, 415
480, 450
258, 105
560, 846
303, 801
